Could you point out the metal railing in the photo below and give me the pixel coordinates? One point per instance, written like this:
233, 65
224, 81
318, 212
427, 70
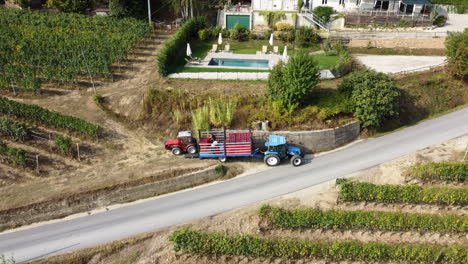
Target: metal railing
399, 14
243, 9
315, 19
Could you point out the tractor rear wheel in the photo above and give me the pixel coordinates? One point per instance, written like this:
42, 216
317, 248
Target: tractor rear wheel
272, 160
192, 150
176, 151
296, 160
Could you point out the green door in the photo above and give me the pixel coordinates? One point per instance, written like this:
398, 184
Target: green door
232, 20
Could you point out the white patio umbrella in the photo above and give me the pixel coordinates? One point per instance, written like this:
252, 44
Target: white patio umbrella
220, 39
189, 51
271, 39
285, 52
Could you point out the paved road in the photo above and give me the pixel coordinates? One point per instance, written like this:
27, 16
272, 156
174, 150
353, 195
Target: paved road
189, 205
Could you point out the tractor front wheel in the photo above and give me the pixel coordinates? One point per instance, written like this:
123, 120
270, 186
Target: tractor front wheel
272, 160
296, 160
176, 151
192, 150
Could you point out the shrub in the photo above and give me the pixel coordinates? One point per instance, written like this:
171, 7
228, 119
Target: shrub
225, 33
216, 30
442, 171
344, 63
71, 6
266, 34
197, 242
306, 36
239, 32
284, 26
374, 96
291, 83
386, 193
457, 53
289, 36
173, 51
18, 156
440, 21
366, 220
64, 144
15, 130
324, 12
271, 17
204, 34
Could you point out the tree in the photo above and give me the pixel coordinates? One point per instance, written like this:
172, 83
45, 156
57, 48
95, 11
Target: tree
457, 53
128, 8
324, 12
292, 82
374, 96
71, 6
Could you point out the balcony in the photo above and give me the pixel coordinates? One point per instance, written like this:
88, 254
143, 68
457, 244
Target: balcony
236, 9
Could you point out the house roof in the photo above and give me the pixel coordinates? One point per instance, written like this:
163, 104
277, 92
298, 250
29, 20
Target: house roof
416, 2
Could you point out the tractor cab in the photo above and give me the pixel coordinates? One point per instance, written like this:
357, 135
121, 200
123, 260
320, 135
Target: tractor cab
278, 149
185, 143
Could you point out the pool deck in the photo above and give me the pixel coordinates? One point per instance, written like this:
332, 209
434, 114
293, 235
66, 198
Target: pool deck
272, 59
324, 74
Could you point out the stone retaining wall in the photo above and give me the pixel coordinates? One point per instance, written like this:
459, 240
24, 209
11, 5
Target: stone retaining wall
315, 140
84, 202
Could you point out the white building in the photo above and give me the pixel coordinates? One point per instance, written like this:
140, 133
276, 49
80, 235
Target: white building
399, 6
248, 13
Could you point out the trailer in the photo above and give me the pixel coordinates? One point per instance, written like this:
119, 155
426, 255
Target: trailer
222, 143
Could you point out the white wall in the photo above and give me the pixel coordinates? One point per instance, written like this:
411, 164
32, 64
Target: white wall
257, 19
345, 4
275, 5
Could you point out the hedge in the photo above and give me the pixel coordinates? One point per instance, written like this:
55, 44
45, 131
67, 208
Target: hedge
443, 171
174, 49
362, 191
38, 114
368, 220
203, 243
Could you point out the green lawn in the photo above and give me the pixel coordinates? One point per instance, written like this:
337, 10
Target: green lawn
200, 50
326, 61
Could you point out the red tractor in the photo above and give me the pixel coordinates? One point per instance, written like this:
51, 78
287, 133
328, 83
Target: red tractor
184, 143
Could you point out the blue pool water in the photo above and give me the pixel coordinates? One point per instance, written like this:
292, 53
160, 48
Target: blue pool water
239, 63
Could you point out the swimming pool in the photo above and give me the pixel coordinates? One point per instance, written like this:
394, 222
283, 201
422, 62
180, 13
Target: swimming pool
239, 63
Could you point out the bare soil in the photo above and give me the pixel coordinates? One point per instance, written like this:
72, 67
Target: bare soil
126, 153
155, 248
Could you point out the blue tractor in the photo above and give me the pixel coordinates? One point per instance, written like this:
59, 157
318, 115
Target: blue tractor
279, 150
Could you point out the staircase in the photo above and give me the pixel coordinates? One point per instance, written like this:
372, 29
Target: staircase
314, 19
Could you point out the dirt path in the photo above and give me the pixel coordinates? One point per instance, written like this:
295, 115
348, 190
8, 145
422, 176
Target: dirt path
125, 154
